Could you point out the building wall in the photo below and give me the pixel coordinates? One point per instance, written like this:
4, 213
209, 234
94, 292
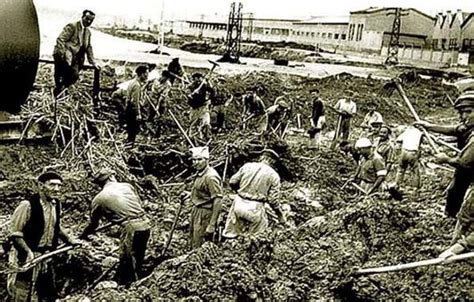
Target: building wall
266, 29
322, 35
366, 30
467, 36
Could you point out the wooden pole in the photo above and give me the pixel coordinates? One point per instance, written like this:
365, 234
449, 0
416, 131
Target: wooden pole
401, 267
415, 115
181, 128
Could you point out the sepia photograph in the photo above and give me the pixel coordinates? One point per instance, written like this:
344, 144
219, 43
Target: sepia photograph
226, 150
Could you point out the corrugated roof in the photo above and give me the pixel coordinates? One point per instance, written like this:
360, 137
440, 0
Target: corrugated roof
325, 20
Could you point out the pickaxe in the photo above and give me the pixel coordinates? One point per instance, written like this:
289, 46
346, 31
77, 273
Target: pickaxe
214, 65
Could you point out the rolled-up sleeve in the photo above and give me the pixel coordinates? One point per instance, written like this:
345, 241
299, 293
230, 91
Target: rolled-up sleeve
380, 168
19, 219
214, 187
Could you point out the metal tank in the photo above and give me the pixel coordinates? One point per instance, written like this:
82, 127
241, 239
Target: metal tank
19, 52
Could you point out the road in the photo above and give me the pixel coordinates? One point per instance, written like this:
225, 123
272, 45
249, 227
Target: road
107, 47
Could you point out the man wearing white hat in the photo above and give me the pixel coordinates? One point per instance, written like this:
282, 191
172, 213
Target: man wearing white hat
206, 197
462, 132
371, 170
257, 184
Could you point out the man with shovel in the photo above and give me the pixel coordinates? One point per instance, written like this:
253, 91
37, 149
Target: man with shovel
119, 203
371, 171
257, 185
463, 238
254, 111
462, 177
346, 109
35, 228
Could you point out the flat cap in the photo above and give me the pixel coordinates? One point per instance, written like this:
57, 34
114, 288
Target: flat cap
48, 175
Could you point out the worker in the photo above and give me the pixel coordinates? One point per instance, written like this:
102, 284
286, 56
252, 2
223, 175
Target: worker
199, 101
462, 177
254, 111
318, 120
277, 117
175, 70
384, 146
35, 229
72, 45
257, 185
463, 239
135, 99
158, 100
371, 170
372, 119
346, 109
410, 141
119, 203
206, 197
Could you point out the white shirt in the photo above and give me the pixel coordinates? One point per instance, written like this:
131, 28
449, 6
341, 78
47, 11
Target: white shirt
411, 139
346, 106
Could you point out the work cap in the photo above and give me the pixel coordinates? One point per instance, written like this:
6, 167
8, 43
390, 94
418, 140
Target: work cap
466, 99
465, 84
271, 152
363, 142
48, 175
283, 104
102, 175
200, 152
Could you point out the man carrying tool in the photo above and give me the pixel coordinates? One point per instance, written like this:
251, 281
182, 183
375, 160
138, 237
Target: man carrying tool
119, 203
372, 119
35, 228
206, 197
410, 141
72, 45
384, 146
346, 110
158, 99
199, 101
371, 170
463, 238
277, 117
175, 70
254, 111
135, 98
257, 184
462, 177
318, 120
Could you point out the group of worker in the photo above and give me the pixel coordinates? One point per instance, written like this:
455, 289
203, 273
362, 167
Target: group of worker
35, 226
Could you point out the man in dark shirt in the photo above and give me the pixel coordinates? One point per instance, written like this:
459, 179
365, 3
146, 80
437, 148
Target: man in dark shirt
199, 101
254, 111
462, 176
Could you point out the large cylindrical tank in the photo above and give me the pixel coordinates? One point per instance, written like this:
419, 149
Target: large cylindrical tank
19, 52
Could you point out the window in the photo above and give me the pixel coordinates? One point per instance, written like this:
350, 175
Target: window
343, 36
453, 43
444, 43
351, 32
434, 44
312, 35
360, 28
329, 35
323, 36
318, 35
336, 36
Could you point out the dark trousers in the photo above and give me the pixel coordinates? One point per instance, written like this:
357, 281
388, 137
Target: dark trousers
131, 261
132, 122
43, 287
345, 128
64, 74
456, 191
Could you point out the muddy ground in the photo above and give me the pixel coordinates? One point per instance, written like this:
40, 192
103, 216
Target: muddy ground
335, 231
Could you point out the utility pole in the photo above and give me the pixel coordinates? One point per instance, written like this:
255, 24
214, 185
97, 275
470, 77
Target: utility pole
392, 52
234, 34
162, 32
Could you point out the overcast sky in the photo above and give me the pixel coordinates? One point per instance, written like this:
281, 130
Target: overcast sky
261, 8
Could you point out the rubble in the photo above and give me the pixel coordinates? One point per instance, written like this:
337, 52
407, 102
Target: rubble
335, 231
